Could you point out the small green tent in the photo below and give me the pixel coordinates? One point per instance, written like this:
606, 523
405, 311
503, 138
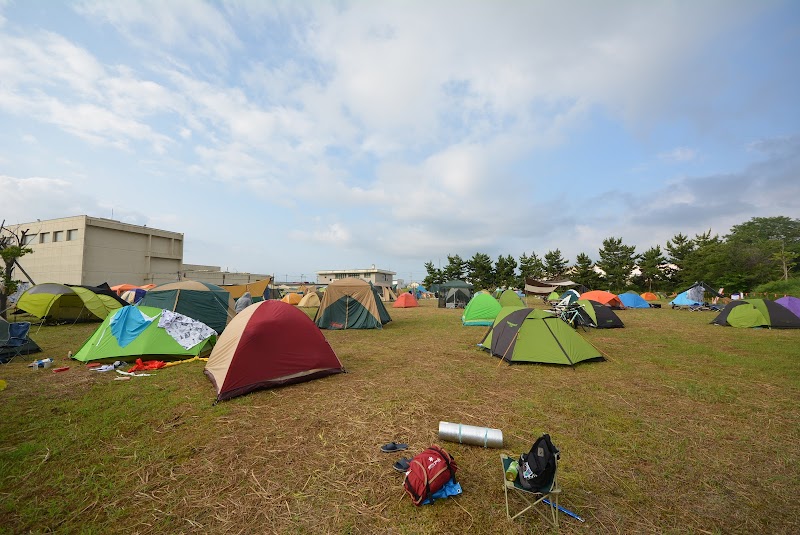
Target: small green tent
137, 335
481, 310
509, 298
553, 296
529, 335
757, 313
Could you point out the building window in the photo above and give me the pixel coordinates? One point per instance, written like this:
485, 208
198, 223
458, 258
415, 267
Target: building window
72, 234
29, 239
58, 235
44, 237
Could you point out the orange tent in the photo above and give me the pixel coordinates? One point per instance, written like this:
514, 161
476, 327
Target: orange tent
405, 300
649, 296
292, 298
147, 286
607, 298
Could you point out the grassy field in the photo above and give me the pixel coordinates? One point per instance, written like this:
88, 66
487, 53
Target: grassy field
686, 428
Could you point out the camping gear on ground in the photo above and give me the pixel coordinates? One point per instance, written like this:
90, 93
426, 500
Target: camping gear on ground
482, 309
633, 300
538, 467
203, 301
62, 302
15, 340
757, 313
470, 434
402, 464
528, 335
269, 344
351, 303
133, 332
405, 300
606, 298
792, 303
392, 447
546, 497
596, 315
509, 298
428, 472
41, 364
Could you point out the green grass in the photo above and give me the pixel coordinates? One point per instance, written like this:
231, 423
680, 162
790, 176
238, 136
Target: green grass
686, 428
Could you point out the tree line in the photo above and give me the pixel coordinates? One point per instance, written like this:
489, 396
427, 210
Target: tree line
755, 252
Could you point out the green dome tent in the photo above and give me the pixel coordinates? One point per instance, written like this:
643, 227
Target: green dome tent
202, 301
481, 310
553, 296
509, 298
757, 313
528, 335
70, 303
136, 335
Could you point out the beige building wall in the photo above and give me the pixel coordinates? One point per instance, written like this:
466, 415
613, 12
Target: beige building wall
214, 275
378, 277
91, 250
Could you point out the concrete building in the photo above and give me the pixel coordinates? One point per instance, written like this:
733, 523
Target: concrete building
93, 250
378, 277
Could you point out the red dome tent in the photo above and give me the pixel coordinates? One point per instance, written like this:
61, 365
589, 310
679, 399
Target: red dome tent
405, 300
269, 344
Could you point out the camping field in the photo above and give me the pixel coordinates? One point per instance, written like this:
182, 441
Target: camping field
685, 428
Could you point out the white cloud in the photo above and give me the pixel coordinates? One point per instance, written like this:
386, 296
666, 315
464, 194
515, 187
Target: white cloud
678, 155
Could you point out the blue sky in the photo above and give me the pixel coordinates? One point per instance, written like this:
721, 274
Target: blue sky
291, 137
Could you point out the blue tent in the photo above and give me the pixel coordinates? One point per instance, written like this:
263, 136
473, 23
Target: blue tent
683, 300
633, 301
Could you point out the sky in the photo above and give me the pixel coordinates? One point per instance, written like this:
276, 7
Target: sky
291, 137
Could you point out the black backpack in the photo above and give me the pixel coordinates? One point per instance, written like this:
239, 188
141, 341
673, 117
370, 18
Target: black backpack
537, 468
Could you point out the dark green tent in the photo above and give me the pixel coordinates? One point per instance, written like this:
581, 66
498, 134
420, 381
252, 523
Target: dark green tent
201, 301
597, 315
528, 335
757, 313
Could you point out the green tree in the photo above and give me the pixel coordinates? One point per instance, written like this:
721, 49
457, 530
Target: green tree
11, 249
584, 273
651, 264
434, 275
766, 247
617, 261
480, 272
530, 267
555, 265
505, 270
455, 269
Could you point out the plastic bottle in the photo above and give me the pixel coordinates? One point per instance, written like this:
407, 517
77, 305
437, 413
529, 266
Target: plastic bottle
512, 471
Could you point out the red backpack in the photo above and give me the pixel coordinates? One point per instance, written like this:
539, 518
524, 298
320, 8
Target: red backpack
428, 472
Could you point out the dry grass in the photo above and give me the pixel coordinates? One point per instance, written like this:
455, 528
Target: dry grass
687, 428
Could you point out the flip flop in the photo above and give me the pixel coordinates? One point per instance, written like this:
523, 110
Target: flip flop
393, 446
402, 465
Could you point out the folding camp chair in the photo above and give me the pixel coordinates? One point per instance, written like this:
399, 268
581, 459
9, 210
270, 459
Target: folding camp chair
532, 499
17, 341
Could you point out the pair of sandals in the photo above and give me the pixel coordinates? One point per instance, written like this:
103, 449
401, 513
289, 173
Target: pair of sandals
402, 465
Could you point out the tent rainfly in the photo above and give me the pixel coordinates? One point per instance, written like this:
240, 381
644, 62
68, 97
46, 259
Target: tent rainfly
71, 303
203, 301
351, 304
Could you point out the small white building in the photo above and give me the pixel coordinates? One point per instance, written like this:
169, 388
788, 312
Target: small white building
378, 277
